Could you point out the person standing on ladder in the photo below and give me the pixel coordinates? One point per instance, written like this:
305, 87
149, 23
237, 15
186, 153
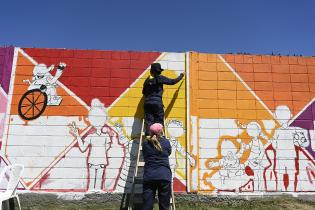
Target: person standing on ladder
157, 174
153, 91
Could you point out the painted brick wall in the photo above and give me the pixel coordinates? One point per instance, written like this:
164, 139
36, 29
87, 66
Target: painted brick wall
237, 123
252, 123
80, 134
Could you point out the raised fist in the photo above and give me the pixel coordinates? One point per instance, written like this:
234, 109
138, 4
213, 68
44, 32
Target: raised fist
61, 66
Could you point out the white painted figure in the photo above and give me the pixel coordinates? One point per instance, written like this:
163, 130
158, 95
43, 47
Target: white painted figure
44, 80
284, 141
230, 164
97, 143
256, 160
124, 182
175, 129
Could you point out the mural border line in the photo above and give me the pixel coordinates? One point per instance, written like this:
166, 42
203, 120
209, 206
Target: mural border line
244, 83
187, 68
8, 115
134, 82
302, 110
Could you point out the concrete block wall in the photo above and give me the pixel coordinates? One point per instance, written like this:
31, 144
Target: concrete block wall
237, 123
252, 123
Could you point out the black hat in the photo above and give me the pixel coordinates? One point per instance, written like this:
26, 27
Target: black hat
156, 67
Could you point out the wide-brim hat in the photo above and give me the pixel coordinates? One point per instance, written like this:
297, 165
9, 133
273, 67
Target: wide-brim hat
156, 67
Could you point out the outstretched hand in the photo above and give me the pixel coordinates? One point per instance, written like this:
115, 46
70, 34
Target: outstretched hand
74, 130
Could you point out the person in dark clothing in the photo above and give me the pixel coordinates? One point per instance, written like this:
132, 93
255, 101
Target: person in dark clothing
157, 174
153, 92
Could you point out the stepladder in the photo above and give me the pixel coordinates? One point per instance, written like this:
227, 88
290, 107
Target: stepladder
135, 200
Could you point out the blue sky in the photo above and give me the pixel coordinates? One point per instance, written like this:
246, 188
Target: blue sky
214, 26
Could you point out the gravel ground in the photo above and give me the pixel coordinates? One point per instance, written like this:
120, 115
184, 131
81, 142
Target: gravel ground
32, 201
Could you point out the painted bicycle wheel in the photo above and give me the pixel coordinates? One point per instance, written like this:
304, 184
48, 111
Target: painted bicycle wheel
32, 104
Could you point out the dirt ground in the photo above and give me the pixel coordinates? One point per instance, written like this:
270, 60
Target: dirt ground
226, 203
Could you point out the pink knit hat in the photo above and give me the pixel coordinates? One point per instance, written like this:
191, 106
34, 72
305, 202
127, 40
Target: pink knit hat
156, 128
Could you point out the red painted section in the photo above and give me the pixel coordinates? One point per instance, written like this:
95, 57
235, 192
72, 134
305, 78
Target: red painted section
96, 74
286, 181
249, 171
178, 186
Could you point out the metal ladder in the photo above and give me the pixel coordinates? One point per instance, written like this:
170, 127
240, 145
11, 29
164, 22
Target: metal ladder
138, 180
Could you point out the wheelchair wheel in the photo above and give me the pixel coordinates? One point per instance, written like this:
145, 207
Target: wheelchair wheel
32, 104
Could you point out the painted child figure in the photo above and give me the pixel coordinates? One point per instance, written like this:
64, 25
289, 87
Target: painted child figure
175, 129
230, 166
284, 141
42, 79
97, 141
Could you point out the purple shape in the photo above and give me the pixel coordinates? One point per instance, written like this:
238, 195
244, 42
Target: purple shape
6, 60
306, 120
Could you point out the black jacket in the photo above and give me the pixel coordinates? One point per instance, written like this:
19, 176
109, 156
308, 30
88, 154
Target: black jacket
157, 166
153, 88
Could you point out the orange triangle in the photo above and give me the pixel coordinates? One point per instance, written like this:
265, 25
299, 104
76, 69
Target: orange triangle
217, 93
277, 80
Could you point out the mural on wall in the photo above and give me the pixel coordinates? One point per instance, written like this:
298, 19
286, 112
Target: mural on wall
249, 127
75, 117
6, 61
175, 129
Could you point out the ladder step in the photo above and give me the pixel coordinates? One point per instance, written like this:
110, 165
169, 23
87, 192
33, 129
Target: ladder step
138, 180
141, 164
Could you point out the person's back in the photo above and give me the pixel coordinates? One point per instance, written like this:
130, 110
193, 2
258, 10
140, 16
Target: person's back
153, 92
157, 166
157, 175
153, 87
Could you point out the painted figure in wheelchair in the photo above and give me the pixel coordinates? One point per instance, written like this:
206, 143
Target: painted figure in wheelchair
43, 79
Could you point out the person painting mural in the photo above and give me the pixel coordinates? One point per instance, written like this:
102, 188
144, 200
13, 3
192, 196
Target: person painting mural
157, 174
153, 92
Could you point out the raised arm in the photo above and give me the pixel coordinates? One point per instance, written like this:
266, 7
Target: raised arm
75, 132
122, 138
59, 72
169, 81
182, 151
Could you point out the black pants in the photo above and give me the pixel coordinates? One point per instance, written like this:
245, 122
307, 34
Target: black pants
153, 113
164, 194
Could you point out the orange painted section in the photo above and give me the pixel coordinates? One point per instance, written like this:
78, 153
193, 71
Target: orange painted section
277, 80
217, 93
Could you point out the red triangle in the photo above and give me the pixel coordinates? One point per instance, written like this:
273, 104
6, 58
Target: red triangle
178, 186
96, 74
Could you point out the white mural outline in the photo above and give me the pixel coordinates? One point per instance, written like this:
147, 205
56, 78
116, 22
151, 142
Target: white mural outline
175, 128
